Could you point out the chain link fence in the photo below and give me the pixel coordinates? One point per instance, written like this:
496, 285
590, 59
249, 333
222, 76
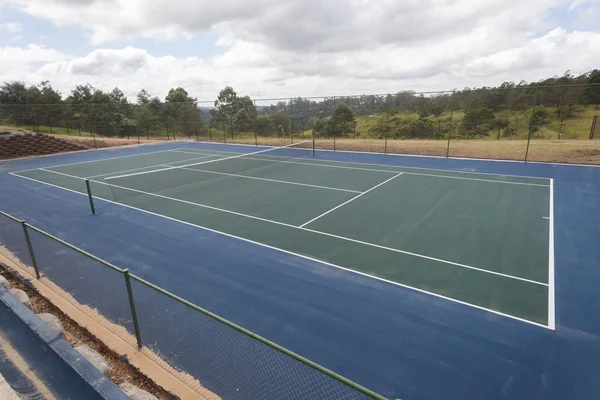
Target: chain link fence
523, 122
213, 356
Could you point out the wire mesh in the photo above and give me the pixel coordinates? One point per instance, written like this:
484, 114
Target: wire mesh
13, 243
210, 354
93, 288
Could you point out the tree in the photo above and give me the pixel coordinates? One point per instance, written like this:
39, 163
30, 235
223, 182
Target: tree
421, 128
179, 95
14, 92
281, 124
478, 121
176, 99
263, 126
592, 92
538, 118
117, 96
143, 97
235, 111
343, 119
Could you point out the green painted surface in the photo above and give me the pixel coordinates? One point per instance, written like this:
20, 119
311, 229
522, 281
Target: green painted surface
495, 226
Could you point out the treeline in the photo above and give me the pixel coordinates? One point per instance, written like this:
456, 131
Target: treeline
482, 110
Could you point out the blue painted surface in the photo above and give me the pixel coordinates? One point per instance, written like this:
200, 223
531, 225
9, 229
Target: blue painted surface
393, 340
57, 365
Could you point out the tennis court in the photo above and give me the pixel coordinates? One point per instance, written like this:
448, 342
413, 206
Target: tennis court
483, 240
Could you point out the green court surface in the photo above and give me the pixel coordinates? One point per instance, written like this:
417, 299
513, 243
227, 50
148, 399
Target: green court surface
479, 239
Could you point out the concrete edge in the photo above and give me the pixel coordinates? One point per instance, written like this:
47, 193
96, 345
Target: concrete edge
65, 353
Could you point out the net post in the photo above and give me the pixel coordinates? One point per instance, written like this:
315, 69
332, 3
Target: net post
89, 193
255, 139
385, 146
30, 247
313, 144
138, 334
224, 136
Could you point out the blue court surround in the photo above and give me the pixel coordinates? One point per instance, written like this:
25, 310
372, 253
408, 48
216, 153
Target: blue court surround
393, 340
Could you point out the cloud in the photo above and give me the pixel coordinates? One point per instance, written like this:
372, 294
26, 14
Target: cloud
12, 27
312, 47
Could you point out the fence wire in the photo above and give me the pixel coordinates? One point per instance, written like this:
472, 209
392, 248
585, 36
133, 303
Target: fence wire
215, 357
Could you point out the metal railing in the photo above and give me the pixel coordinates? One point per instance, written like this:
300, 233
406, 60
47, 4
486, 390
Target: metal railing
210, 354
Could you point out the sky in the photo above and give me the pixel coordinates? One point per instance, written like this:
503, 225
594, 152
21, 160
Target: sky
293, 48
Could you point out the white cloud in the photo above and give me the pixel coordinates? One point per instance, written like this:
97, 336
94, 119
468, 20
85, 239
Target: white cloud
311, 47
12, 27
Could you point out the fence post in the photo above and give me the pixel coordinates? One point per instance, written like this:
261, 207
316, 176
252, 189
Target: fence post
138, 334
94, 135
30, 246
313, 138
385, 146
593, 128
450, 130
531, 123
560, 130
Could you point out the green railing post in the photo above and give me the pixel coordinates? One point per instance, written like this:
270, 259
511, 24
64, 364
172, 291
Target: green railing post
30, 246
531, 123
138, 334
89, 193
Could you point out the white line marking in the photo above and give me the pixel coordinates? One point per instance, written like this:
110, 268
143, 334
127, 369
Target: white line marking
551, 298
271, 180
422, 156
149, 166
352, 199
203, 162
392, 172
94, 161
311, 230
78, 152
546, 217
295, 254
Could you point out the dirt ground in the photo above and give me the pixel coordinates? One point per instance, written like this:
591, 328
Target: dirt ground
543, 150
559, 151
121, 370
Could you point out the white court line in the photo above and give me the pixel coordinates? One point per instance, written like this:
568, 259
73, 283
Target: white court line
423, 156
551, 296
294, 254
270, 180
311, 230
200, 163
391, 172
149, 166
94, 161
346, 202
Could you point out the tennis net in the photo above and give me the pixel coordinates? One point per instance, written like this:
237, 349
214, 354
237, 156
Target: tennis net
171, 178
